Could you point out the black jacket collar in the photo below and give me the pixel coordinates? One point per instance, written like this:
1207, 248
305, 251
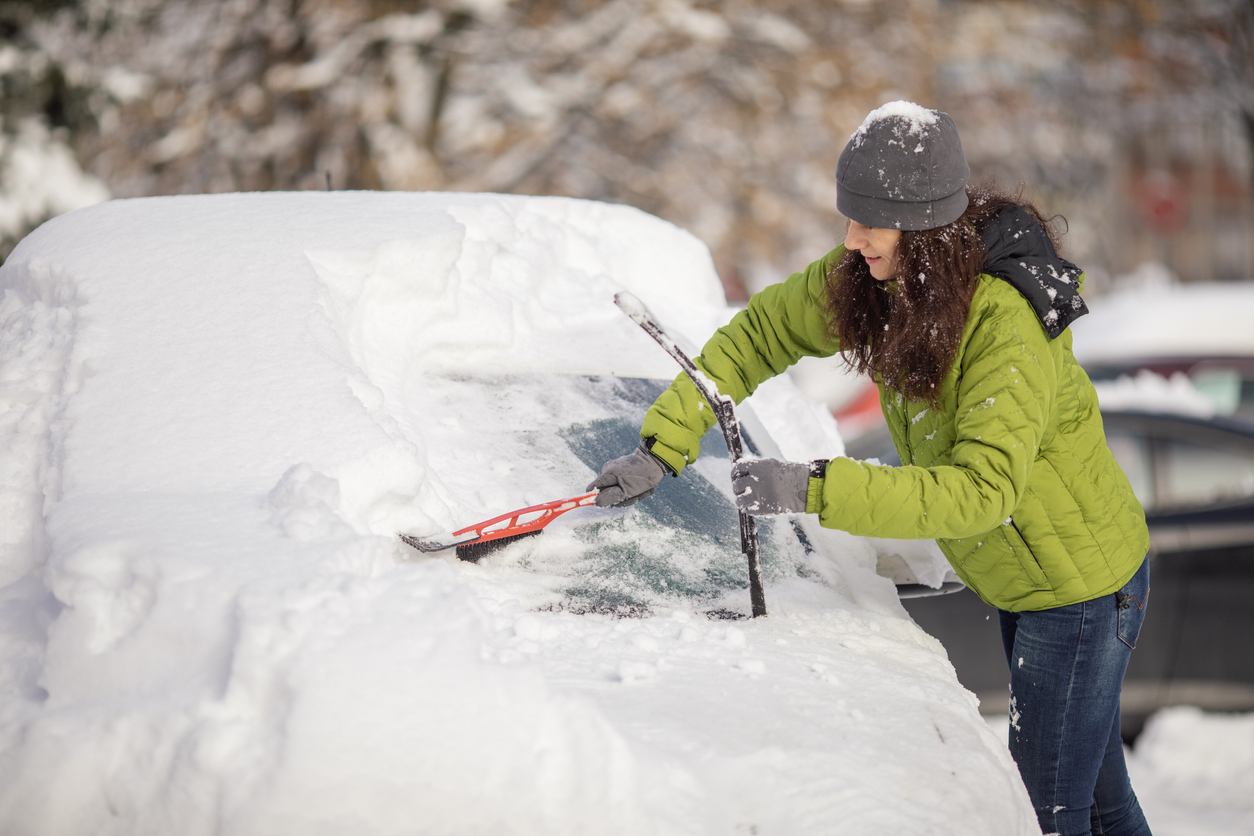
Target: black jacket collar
1020, 252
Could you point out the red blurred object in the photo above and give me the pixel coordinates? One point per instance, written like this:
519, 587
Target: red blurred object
861, 414
1163, 200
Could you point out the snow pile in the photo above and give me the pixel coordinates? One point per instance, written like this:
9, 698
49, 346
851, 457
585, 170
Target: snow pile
216, 413
1206, 760
1150, 392
1194, 771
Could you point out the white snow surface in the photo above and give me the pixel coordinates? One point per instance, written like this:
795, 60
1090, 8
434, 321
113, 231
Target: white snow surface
216, 413
1194, 772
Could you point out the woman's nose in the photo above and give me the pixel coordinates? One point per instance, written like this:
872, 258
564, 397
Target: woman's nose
855, 237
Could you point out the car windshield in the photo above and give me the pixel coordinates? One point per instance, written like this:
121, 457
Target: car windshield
1132, 452
679, 547
1196, 474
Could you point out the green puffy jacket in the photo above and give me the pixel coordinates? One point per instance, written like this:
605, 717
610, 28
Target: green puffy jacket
1011, 475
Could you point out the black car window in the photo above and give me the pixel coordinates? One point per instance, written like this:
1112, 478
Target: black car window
1132, 452
1191, 474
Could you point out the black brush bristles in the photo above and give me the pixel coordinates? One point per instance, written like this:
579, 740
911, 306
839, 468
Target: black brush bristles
472, 552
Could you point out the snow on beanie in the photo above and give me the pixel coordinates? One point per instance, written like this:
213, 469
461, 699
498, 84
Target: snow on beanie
903, 169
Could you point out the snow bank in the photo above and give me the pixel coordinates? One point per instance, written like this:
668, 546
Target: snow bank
1194, 771
1149, 392
216, 412
1204, 759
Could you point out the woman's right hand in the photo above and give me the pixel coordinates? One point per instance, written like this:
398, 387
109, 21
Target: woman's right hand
627, 480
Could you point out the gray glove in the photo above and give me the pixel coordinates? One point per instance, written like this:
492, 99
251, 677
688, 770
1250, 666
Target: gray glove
627, 480
769, 486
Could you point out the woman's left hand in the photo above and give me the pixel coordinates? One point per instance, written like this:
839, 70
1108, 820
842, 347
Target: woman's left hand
770, 486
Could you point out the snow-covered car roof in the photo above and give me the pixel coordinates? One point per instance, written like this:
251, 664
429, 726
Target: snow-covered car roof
1173, 348
1201, 319
219, 411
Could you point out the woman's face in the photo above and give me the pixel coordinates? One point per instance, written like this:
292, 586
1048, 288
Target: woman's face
877, 246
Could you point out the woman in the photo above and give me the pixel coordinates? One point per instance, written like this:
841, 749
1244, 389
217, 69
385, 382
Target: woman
955, 299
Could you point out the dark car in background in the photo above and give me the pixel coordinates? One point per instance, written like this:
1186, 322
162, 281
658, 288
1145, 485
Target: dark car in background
1195, 478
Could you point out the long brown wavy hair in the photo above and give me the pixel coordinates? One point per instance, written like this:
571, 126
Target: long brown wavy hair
907, 333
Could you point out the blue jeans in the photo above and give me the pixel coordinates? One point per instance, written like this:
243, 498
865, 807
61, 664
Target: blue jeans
1066, 672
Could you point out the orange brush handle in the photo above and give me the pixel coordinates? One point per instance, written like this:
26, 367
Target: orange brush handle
525, 520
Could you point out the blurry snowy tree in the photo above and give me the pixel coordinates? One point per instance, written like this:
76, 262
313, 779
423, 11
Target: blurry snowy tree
724, 117
1131, 117
1184, 81
39, 116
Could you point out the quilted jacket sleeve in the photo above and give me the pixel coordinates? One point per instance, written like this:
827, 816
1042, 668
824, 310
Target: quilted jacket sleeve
1004, 386
781, 324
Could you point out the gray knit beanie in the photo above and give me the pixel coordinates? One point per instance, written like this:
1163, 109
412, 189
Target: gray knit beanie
903, 169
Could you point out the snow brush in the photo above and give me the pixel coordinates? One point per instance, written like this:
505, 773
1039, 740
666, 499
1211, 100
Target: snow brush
474, 541
725, 411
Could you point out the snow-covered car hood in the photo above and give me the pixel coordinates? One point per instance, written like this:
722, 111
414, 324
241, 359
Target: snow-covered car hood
217, 413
